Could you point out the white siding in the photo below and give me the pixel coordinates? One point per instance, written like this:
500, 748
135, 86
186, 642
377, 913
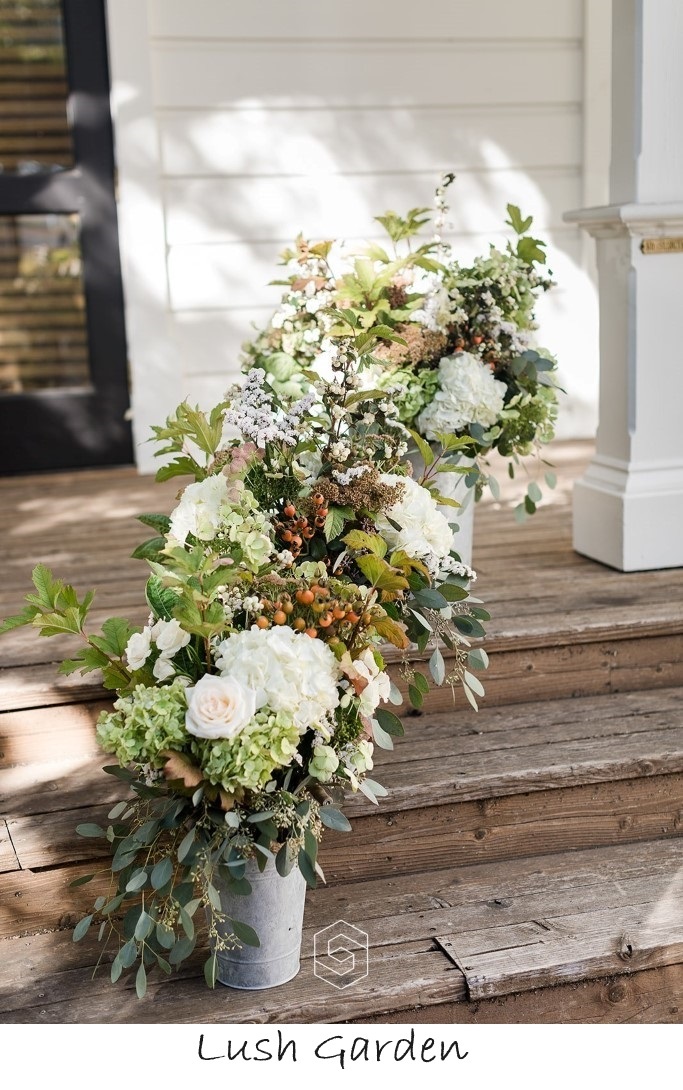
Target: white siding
274, 118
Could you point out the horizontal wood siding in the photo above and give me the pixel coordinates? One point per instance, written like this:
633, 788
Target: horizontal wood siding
278, 118
301, 19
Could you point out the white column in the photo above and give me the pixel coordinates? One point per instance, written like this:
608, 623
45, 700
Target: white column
628, 508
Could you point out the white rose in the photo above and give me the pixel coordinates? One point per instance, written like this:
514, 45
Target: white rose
219, 707
138, 648
169, 637
163, 668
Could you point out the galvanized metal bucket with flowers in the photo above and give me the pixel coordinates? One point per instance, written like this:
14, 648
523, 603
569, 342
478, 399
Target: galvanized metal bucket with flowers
252, 700
455, 344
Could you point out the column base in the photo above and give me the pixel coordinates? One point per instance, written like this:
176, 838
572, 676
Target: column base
630, 519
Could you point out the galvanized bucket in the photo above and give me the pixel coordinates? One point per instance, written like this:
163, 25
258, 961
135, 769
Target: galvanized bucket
452, 485
275, 910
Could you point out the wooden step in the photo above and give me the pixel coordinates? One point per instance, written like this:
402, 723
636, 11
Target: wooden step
473, 787
561, 625
456, 944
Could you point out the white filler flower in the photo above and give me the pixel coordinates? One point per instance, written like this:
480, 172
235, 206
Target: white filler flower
468, 394
424, 532
287, 670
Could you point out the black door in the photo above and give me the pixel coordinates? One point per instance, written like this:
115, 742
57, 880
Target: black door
63, 374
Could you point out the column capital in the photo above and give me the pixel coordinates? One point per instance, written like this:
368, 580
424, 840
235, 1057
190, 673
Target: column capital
637, 220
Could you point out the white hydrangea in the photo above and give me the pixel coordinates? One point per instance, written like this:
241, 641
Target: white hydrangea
288, 671
199, 510
468, 394
424, 532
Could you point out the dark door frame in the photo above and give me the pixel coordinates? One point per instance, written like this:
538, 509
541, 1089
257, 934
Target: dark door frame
83, 426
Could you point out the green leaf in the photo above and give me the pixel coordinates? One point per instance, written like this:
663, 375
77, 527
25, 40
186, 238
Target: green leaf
116, 969
307, 869
180, 467
211, 970
136, 881
376, 788
284, 861
81, 928
160, 523
430, 598
437, 666
334, 819
84, 878
452, 592
415, 696
245, 933
161, 873
470, 696
128, 953
358, 539
214, 897
380, 736
185, 845
25, 617
165, 936
141, 981
149, 550
380, 574
334, 523
186, 920
160, 599
534, 492
530, 250
46, 585
90, 829
477, 658
117, 810
389, 722
421, 683
474, 683
550, 479
515, 220
143, 926
116, 632
424, 448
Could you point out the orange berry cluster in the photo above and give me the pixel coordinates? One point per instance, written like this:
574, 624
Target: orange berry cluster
311, 609
294, 528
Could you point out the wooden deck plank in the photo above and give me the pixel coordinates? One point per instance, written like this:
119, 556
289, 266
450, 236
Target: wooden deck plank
8, 856
646, 997
456, 741
631, 890
541, 594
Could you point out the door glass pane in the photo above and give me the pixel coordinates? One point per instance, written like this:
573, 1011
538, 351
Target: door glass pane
34, 130
43, 336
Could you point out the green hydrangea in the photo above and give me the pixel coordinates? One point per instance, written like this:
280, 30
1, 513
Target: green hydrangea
249, 760
248, 528
416, 390
143, 724
323, 764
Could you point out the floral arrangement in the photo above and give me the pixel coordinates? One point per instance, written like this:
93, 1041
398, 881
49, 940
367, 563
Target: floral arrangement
254, 695
453, 339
